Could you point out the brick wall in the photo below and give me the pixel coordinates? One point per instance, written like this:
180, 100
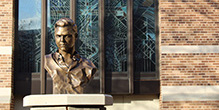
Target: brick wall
5, 71
182, 23
6, 35
6, 22
189, 77
191, 105
190, 69
189, 22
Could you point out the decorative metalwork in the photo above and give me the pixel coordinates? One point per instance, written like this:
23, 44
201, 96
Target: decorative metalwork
58, 9
87, 22
144, 35
116, 35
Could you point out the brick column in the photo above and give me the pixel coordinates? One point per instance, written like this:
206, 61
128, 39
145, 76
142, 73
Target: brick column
6, 36
189, 66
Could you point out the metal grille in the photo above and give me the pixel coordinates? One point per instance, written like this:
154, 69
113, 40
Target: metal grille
87, 22
116, 35
144, 35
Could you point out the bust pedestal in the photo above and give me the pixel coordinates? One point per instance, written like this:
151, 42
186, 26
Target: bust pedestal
68, 101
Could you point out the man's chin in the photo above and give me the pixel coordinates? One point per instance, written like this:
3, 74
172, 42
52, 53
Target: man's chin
63, 49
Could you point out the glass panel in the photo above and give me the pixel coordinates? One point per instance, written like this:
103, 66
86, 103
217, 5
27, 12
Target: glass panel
144, 35
29, 34
116, 35
56, 9
87, 23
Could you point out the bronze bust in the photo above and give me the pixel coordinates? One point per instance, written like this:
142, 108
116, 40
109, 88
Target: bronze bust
69, 71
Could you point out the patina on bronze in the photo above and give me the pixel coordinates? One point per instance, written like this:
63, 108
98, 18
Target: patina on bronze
69, 71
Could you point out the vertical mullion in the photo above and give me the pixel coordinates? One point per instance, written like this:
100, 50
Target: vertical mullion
73, 10
130, 44
15, 38
157, 38
101, 45
43, 42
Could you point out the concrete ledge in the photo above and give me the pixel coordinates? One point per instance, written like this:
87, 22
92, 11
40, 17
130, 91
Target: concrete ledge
189, 49
67, 99
67, 108
190, 93
5, 95
5, 49
190, 97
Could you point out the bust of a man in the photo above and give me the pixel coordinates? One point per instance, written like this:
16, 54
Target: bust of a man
69, 71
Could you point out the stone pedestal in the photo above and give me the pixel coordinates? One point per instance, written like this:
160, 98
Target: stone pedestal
68, 101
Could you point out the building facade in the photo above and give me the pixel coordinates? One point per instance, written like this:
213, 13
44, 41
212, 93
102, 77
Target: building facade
165, 52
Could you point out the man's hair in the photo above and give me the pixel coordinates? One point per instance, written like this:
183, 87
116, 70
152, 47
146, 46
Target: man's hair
66, 22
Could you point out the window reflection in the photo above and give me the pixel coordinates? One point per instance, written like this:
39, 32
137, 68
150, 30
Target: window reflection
29, 33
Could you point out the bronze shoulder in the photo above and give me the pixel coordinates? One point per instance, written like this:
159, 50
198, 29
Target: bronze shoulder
47, 62
89, 68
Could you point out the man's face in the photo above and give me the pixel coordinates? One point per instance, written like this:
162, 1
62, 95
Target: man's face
65, 38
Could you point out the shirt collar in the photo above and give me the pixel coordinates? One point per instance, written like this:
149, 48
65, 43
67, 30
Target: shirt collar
60, 60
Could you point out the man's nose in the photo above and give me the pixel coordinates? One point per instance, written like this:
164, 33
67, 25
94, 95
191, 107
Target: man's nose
62, 38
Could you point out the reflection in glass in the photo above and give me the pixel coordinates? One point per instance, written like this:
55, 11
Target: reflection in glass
29, 33
57, 9
116, 35
87, 22
144, 35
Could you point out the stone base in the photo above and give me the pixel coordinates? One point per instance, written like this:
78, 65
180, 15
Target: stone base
68, 101
68, 108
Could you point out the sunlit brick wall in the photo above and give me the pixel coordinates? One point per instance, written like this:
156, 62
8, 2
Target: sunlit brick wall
194, 69
189, 22
189, 58
6, 35
190, 105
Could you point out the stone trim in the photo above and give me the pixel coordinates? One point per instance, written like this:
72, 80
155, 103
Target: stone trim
5, 49
189, 49
5, 95
67, 99
190, 93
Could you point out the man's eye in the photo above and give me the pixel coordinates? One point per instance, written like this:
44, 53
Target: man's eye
69, 35
58, 36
